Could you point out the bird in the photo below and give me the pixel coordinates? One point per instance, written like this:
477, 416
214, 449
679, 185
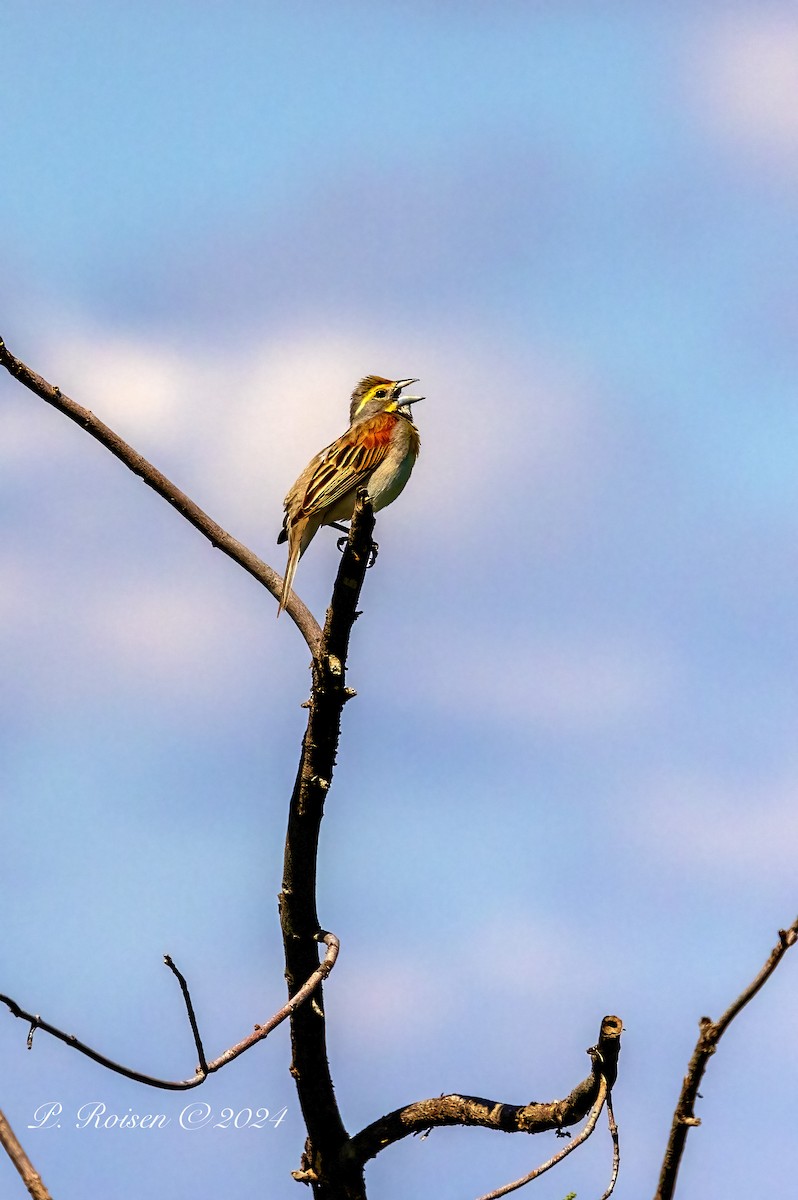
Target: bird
378, 452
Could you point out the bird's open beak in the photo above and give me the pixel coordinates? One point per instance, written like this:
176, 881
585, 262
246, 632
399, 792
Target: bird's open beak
406, 400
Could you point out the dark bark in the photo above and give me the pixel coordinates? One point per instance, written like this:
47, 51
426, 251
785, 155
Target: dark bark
493, 1114
323, 1164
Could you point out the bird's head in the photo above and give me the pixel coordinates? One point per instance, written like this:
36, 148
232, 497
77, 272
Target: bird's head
375, 395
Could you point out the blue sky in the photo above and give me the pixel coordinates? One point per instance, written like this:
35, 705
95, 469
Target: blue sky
567, 786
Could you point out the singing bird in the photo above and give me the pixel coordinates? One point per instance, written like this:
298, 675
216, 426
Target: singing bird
378, 452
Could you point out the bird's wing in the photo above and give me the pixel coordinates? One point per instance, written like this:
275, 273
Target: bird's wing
348, 463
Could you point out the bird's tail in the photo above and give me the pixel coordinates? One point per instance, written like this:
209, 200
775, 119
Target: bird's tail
290, 571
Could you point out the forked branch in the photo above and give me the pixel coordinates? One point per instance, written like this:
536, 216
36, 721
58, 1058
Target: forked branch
204, 1068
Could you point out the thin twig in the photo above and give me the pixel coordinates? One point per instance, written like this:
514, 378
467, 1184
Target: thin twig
580, 1137
616, 1149
684, 1117
13, 1148
192, 1018
218, 537
260, 1032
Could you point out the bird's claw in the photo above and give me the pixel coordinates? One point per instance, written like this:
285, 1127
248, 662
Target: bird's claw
374, 550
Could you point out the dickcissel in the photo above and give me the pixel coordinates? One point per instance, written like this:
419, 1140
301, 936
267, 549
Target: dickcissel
378, 452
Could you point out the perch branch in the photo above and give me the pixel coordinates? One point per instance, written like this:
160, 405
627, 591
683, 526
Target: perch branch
30, 1176
322, 1163
218, 537
492, 1114
684, 1117
204, 1069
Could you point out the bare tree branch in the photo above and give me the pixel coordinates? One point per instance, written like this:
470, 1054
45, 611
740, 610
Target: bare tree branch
684, 1117
30, 1176
332, 1177
192, 1016
567, 1149
205, 1069
493, 1114
218, 537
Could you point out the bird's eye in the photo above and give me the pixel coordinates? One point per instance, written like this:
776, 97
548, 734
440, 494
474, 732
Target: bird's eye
381, 394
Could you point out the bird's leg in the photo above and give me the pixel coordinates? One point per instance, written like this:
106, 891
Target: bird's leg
341, 543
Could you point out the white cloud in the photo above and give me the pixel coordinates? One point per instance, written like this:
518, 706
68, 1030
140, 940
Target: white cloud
157, 627
243, 421
233, 426
135, 386
30, 437
731, 827
133, 629
746, 77
385, 995
553, 952
562, 683
16, 595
